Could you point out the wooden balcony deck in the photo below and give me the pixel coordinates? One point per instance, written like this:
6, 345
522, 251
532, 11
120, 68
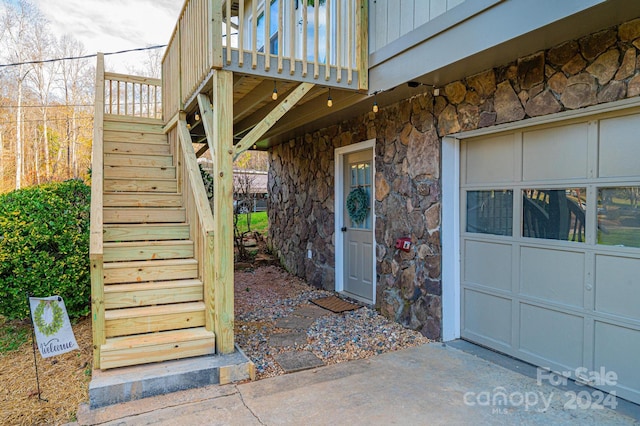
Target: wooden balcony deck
222, 35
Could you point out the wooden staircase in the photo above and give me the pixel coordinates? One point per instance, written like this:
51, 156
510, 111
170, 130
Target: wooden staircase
154, 305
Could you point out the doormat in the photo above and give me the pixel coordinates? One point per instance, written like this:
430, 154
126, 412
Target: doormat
291, 362
335, 304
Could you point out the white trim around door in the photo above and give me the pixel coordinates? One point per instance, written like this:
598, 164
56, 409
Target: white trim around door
450, 238
338, 211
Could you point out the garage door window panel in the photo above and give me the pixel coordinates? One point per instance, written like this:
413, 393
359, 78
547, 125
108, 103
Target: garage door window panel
490, 212
554, 214
619, 216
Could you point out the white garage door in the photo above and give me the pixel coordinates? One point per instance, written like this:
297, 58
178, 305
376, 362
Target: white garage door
550, 244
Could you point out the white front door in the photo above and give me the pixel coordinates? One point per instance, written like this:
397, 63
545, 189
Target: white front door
357, 228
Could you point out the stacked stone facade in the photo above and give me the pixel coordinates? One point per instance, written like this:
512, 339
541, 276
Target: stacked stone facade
595, 69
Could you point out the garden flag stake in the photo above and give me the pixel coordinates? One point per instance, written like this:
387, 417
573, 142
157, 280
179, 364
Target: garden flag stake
51, 329
51, 325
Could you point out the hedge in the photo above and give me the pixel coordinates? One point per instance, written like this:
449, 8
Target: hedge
44, 247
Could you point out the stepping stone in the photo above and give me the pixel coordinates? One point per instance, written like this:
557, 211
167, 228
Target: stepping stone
264, 260
250, 242
294, 322
281, 340
310, 311
291, 362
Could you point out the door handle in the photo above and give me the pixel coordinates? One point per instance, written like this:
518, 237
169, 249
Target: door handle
343, 229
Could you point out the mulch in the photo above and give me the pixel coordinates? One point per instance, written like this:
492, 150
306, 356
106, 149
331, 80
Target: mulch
64, 382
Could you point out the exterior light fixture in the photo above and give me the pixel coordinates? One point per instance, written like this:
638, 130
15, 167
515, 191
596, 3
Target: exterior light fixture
375, 102
329, 100
274, 95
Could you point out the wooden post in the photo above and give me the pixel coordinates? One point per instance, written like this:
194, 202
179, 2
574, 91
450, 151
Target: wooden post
363, 45
215, 33
222, 154
96, 247
97, 306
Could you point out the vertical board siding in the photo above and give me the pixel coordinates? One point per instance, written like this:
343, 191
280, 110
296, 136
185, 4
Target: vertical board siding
437, 8
392, 19
380, 34
420, 14
406, 16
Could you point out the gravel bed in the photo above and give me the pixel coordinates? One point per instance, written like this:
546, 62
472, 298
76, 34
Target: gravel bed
268, 293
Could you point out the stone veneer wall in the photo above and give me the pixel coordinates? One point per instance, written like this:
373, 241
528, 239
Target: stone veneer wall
598, 68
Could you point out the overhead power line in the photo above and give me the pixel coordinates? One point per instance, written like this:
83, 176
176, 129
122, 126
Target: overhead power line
58, 120
47, 106
69, 58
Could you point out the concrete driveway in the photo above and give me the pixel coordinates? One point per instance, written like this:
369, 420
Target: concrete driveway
428, 385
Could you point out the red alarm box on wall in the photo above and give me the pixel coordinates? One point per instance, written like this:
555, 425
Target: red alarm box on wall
403, 244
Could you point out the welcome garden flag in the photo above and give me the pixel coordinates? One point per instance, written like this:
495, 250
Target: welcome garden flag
52, 327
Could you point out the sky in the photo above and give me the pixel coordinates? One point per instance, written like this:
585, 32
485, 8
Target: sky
113, 25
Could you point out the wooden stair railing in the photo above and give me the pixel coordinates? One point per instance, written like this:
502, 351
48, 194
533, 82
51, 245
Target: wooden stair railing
148, 256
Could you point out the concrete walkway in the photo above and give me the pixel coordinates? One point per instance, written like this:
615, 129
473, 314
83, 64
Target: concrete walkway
429, 385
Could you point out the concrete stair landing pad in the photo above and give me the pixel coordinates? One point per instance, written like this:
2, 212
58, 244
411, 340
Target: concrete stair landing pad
136, 382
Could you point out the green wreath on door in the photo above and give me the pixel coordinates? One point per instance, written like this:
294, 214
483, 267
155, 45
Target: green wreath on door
358, 205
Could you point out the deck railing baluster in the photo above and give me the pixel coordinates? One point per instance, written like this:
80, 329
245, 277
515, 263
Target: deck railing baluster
133, 96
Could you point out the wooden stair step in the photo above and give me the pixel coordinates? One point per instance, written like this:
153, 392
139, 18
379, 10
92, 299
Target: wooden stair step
150, 319
150, 270
144, 215
147, 232
140, 160
141, 199
155, 347
147, 250
137, 172
136, 148
128, 120
140, 185
142, 135
118, 296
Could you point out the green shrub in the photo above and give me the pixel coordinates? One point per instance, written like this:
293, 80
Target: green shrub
44, 247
